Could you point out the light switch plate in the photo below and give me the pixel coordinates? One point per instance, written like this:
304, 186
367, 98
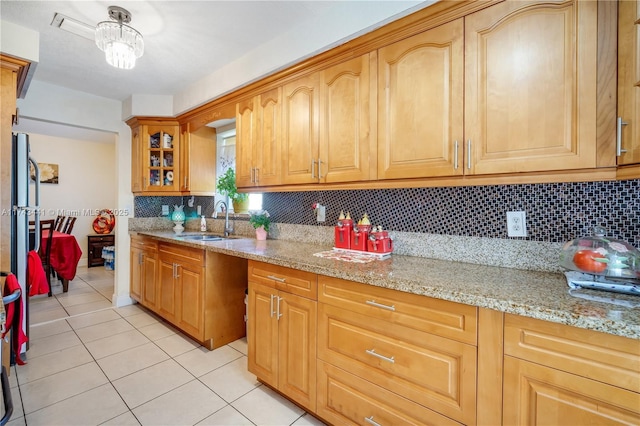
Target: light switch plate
165, 210
321, 213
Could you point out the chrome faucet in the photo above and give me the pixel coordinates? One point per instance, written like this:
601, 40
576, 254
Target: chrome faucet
227, 229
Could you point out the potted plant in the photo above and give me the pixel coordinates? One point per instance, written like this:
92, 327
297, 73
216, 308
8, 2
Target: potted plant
260, 221
227, 186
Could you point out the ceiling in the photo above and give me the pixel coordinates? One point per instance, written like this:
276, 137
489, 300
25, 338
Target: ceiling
184, 40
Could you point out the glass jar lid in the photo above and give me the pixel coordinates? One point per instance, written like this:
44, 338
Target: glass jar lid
601, 255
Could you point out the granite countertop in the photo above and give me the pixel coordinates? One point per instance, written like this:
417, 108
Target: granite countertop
541, 295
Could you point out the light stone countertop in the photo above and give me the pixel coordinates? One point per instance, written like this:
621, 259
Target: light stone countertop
535, 294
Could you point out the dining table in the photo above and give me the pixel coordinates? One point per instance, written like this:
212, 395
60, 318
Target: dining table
64, 257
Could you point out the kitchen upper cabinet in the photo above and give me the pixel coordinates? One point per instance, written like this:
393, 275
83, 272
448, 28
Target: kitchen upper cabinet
258, 139
420, 104
628, 150
155, 156
326, 122
530, 87
198, 161
300, 136
347, 150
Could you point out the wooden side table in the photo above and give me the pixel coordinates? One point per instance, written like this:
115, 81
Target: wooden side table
95, 243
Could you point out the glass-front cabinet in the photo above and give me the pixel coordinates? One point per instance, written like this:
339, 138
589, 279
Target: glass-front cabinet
155, 152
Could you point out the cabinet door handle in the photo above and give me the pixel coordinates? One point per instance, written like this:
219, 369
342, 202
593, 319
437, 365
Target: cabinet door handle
177, 269
139, 258
455, 155
382, 357
251, 175
185, 181
619, 124
278, 314
313, 169
380, 305
319, 169
469, 154
271, 313
281, 280
371, 421
256, 175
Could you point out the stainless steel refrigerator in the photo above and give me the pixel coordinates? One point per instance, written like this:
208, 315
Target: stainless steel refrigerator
25, 208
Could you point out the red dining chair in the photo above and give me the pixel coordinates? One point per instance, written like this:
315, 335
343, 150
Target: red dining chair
46, 231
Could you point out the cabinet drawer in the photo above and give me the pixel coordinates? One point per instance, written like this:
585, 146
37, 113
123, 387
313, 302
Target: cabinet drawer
541, 395
433, 371
181, 254
447, 319
293, 281
599, 356
105, 239
144, 243
344, 399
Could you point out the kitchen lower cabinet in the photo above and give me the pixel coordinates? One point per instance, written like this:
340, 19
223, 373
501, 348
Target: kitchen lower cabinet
282, 332
143, 271
346, 399
557, 374
396, 341
200, 292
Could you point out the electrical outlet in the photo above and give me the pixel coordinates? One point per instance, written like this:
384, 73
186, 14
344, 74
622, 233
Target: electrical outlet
320, 213
516, 224
165, 210
199, 210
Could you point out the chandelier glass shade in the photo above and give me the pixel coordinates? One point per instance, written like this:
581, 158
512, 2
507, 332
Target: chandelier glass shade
121, 43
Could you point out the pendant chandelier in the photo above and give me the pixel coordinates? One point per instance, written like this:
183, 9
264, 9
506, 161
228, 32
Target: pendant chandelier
121, 43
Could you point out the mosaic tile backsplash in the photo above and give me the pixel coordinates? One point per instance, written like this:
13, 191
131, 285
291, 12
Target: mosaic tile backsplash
555, 212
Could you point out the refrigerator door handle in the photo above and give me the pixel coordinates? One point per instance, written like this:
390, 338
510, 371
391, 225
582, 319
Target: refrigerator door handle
34, 163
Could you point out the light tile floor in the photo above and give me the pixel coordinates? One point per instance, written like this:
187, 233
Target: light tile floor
92, 364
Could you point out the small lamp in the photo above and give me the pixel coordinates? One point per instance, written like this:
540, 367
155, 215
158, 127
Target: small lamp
178, 217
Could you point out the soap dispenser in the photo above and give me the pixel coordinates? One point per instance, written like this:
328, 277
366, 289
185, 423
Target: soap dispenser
203, 224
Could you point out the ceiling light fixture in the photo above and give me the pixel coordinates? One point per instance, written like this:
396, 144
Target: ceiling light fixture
121, 43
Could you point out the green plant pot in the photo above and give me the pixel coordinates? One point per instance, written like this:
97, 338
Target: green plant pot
241, 206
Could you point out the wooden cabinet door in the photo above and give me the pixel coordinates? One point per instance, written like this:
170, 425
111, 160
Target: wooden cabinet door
267, 151
198, 162
297, 325
135, 273
539, 395
530, 87
245, 143
420, 104
149, 280
348, 150
262, 333
190, 286
300, 109
168, 296
161, 160
629, 80
136, 160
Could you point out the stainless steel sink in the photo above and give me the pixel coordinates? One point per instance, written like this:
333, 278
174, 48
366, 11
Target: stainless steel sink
201, 237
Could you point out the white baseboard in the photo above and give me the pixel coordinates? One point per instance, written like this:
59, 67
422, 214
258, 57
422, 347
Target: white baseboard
122, 300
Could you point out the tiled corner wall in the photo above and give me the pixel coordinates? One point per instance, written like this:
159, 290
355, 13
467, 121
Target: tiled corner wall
555, 212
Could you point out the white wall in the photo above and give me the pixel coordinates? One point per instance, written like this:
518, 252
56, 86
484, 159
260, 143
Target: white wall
86, 180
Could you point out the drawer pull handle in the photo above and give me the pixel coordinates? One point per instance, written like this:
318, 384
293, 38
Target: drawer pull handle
380, 305
377, 355
371, 421
271, 277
